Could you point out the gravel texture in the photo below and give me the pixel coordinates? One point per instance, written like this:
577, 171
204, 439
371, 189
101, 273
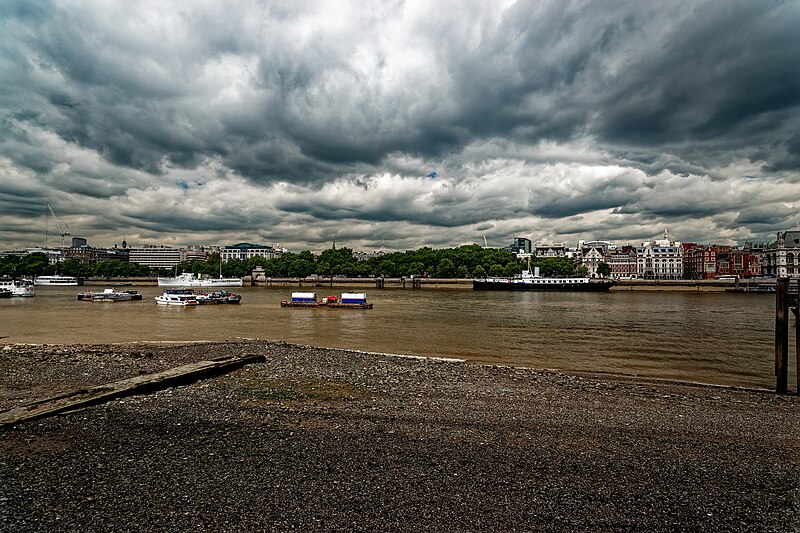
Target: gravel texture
330, 440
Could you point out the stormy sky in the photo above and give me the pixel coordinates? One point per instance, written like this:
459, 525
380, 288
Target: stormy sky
208, 122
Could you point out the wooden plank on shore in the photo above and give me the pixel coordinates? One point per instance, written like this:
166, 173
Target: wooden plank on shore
86, 397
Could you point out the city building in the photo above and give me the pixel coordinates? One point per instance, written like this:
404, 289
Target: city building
623, 263
156, 256
782, 258
590, 254
520, 246
661, 259
553, 249
699, 261
246, 250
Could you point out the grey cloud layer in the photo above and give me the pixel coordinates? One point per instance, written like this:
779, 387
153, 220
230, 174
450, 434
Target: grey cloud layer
315, 94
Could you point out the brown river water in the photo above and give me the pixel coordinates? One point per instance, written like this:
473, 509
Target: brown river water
706, 337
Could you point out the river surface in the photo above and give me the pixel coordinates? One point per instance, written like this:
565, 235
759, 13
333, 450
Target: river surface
705, 337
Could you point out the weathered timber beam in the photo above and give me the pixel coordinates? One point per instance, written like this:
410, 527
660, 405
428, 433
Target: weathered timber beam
86, 397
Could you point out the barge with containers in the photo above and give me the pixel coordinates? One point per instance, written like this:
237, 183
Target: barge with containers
348, 300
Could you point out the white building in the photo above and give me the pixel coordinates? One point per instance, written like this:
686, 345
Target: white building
661, 259
782, 258
246, 250
591, 254
156, 256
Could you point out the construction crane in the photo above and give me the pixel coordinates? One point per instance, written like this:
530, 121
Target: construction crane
63, 229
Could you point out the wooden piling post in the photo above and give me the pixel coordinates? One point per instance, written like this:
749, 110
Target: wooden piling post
797, 337
781, 336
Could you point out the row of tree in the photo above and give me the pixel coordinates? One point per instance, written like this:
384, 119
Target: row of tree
462, 262
37, 264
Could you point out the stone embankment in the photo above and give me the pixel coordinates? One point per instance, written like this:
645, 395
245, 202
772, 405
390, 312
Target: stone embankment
320, 440
440, 283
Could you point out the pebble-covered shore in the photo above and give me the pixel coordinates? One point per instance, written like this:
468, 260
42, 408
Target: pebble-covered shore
330, 440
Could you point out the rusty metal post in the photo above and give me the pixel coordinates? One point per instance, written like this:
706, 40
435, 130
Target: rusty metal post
781, 336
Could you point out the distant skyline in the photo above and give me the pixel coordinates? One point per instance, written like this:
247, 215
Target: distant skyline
209, 122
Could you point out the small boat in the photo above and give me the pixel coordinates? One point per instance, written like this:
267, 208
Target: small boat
354, 300
182, 297
57, 280
760, 288
17, 287
221, 297
188, 279
110, 295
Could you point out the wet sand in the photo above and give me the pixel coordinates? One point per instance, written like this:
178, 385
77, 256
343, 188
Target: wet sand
319, 439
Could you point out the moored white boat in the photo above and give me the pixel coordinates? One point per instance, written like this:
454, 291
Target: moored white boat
18, 287
531, 281
183, 297
57, 280
188, 279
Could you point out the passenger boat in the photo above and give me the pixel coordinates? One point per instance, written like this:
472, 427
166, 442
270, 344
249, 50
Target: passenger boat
221, 297
532, 281
188, 279
110, 295
55, 280
349, 300
17, 287
183, 297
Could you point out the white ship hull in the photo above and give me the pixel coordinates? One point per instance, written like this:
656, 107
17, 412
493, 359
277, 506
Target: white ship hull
189, 280
59, 281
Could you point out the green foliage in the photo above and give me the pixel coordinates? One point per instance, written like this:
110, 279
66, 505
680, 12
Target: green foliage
554, 267
603, 269
36, 264
446, 262
446, 268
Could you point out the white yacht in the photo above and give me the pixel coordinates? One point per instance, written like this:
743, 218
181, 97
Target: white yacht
57, 280
177, 297
187, 279
17, 287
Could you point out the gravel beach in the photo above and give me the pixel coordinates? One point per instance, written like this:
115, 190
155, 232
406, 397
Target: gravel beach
330, 440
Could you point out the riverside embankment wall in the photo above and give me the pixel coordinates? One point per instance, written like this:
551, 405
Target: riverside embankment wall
440, 283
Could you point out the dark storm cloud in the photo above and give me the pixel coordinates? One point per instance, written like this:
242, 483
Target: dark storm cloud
663, 78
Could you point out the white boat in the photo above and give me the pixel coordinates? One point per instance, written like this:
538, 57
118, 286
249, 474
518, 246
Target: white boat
17, 287
57, 280
187, 279
177, 297
532, 281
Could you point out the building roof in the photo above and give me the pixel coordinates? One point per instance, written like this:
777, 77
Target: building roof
247, 246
